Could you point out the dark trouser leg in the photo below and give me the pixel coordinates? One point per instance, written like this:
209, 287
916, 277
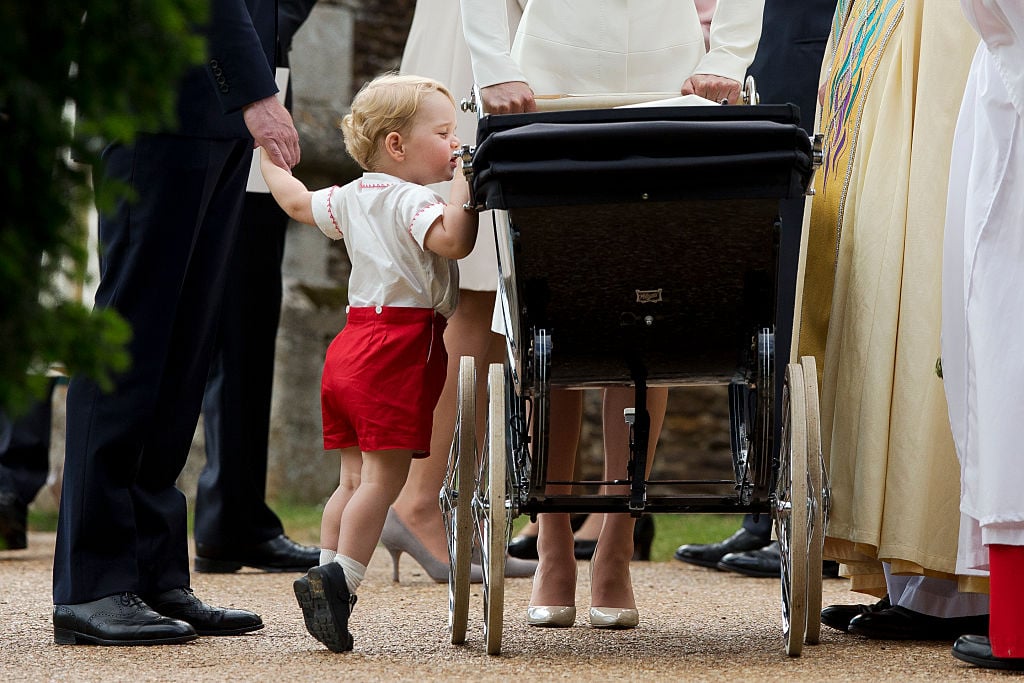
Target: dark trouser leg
122, 522
230, 505
25, 449
762, 528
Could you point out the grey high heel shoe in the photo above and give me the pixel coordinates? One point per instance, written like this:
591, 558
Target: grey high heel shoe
515, 568
397, 539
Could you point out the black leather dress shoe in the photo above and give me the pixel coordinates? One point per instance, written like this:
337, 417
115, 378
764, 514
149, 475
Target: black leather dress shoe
763, 563
279, 554
710, 554
13, 522
122, 619
524, 547
977, 650
839, 616
899, 623
207, 620
326, 605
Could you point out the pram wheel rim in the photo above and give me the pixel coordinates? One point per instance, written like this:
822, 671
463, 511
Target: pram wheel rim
790, 510
816, 517
490, 510
456, 501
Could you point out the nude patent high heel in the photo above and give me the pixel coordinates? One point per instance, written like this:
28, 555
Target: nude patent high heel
551, 617
611, 617
614, 617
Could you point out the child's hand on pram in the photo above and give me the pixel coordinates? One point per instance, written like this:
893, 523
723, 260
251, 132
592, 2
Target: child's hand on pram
511, 97
711, 87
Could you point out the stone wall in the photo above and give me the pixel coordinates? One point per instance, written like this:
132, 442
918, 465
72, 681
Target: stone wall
694, 443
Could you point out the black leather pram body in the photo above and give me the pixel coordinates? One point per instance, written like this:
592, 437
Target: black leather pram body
640, 239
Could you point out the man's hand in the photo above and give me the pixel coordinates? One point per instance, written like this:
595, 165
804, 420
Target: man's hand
513, 97
271, 126
714, 88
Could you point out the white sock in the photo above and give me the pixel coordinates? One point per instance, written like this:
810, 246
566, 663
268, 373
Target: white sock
327, 555
354, 572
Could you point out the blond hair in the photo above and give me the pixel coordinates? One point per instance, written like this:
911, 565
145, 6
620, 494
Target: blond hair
386, 104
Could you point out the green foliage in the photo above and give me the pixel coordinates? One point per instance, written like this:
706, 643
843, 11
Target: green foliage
672, 531
118, 63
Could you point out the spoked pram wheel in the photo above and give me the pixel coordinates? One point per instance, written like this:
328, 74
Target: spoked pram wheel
790, 509
815, 487
489, 508
457, 499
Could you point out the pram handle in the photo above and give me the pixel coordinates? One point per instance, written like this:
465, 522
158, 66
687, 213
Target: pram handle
571, 101
568, 101
466, 159
599, 101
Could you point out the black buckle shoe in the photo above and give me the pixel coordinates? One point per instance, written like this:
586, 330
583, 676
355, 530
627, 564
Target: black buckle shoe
122, 619
899, 623
584, 549
523, 547
207, 620
839, 616
326, 605
977, 650
763, 563
710, 554
279, 554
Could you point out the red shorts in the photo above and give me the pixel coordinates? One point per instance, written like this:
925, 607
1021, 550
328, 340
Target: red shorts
382, 378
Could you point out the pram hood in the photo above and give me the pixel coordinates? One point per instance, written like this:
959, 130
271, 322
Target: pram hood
647, 154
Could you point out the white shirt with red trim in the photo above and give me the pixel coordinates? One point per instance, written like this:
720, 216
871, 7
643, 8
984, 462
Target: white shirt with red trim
384, 221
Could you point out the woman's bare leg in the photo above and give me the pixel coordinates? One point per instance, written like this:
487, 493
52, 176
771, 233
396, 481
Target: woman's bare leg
612, 586
554, 584
587, 531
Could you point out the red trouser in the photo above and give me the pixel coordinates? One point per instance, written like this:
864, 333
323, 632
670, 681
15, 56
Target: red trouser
1006, 600
382, 378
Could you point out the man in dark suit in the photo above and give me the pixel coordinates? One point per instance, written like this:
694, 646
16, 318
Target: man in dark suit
786, 68
120, 574
234, 526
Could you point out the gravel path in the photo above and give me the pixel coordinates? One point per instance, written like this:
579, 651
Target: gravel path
696, 625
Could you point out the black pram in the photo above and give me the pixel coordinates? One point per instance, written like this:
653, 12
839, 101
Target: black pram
640, 246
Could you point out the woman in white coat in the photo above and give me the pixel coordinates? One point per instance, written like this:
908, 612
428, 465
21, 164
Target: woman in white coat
436, 48
602, 46
982, 328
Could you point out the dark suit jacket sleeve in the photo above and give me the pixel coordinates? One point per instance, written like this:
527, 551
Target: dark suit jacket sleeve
240, 54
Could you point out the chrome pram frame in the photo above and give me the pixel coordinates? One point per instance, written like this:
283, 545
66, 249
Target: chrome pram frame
777, 459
